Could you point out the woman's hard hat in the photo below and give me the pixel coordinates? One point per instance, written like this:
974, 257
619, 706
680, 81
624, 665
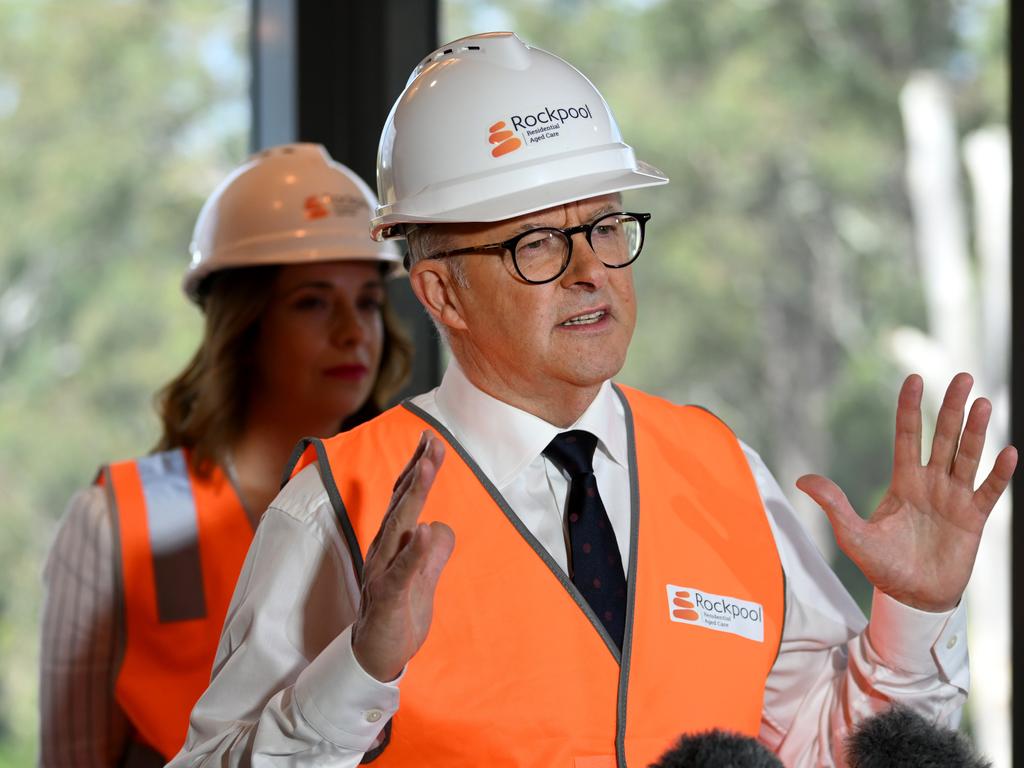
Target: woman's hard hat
489, 128
289, 204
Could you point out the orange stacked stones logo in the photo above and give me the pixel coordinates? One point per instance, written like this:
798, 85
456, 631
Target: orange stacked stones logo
315, 208
684, 608
506, 141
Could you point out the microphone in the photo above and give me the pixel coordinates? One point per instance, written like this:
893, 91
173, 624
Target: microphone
717, 749
899, 737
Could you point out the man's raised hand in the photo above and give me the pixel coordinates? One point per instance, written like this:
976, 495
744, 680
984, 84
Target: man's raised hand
920, 544
401, 571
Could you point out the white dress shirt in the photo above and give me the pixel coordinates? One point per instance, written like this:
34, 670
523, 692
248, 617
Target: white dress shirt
287, 689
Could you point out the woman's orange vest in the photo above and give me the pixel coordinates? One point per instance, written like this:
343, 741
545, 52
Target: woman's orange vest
516, 670
182, 543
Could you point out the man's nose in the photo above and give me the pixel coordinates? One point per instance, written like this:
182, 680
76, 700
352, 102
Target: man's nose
584, 265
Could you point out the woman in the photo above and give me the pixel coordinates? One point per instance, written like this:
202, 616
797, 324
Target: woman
298, 341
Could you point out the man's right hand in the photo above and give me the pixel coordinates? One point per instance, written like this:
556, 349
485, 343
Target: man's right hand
400, 574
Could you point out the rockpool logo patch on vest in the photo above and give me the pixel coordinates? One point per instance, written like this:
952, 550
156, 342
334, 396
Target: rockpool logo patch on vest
688, 605
533, 127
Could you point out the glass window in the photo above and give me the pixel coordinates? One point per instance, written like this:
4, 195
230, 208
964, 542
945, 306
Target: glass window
117, 118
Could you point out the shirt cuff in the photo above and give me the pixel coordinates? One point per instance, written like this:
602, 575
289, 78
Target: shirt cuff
901, 635
341, 701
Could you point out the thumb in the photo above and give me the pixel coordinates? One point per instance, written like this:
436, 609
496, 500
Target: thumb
440, 544
830, 497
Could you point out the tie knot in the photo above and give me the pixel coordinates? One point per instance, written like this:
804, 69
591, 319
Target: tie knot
573, 451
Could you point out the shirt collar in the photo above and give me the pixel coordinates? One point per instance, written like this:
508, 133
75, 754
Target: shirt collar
504, 440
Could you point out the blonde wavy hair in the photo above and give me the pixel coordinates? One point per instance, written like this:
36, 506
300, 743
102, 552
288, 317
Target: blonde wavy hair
203, 408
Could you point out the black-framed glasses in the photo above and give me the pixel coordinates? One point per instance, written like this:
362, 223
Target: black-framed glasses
542, 255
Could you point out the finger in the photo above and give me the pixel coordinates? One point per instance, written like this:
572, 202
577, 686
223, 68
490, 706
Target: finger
988, 494
402, 517
388, 524
968, 455
407, 469
426, 553
908, 424
950, 421
830, 497
440, 544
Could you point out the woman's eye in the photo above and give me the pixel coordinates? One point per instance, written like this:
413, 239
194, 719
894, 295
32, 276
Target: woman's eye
372, 303
310, 303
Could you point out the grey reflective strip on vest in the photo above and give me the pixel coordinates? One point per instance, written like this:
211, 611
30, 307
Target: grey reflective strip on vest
173, 536
634, 548
517, 523
351, 541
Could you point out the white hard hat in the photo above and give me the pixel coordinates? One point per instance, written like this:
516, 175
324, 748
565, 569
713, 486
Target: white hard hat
489, 128
289, 204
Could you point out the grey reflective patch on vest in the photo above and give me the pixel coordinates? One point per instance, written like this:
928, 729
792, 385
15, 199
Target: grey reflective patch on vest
173, 536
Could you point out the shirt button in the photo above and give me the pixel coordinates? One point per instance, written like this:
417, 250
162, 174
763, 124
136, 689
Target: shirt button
951, 643
373, 715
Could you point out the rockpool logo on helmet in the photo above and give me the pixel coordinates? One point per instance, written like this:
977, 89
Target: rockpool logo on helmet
534, 127
505, 140
551, 138
326, 204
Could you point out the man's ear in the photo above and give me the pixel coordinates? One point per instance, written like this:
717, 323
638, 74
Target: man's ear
437, 291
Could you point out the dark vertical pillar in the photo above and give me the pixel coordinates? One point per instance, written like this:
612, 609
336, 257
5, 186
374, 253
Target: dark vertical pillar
328, 72
353, 62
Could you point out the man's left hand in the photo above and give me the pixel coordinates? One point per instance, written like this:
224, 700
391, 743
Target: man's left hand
920, 544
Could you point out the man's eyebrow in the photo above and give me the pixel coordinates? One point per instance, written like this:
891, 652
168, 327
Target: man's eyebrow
526, 226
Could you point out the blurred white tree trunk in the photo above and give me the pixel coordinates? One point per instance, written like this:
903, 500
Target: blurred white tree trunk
968, 329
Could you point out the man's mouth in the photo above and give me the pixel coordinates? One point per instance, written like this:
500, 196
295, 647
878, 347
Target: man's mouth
586, 319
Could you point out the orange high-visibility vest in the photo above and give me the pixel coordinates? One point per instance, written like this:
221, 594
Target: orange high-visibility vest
182, 542
516, 670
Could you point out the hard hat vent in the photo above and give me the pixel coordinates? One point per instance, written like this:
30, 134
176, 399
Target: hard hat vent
445, 53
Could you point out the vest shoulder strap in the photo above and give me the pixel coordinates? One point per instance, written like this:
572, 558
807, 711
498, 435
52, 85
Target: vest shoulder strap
156, 517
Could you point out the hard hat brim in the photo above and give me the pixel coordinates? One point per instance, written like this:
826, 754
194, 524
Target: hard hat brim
272, 257
385, 226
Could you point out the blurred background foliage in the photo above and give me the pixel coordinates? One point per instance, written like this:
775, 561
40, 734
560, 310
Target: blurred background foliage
117, 118
779, 258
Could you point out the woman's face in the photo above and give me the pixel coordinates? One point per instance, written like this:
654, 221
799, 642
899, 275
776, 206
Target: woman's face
319, 344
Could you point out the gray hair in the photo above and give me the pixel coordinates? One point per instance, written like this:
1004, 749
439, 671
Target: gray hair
423, 240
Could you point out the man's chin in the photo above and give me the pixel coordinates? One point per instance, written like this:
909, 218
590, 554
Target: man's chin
594, 374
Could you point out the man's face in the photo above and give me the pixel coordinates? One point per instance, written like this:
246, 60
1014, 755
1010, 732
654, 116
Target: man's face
574, 330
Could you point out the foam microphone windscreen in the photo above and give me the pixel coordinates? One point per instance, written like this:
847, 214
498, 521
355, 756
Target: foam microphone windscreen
717, 749
899, 737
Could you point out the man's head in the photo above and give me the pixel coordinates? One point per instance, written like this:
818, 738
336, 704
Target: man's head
489, 139
524, 341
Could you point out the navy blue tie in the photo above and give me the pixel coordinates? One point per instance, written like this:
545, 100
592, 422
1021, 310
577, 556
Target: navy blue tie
595, 566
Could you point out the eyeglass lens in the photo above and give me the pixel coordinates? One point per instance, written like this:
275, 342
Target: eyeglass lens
543, 253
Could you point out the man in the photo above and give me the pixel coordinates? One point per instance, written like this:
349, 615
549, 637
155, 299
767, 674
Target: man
626, 570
